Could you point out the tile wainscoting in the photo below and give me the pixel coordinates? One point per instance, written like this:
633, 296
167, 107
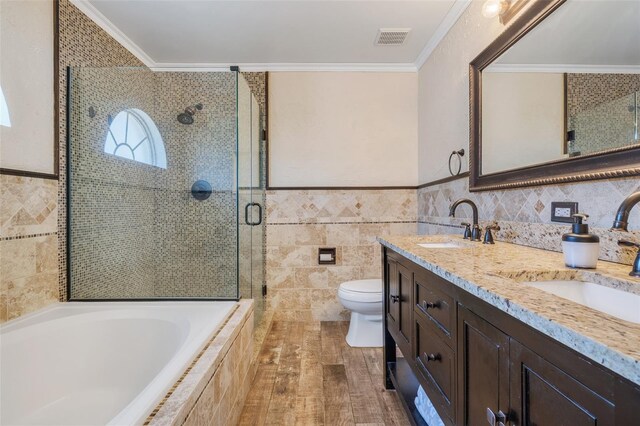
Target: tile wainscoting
524, 215
300, 221
28, 245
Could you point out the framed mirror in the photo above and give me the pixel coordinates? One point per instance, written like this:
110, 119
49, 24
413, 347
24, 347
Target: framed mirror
556, 97
29, 88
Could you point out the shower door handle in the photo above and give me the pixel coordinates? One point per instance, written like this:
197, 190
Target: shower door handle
246, 214
259, 215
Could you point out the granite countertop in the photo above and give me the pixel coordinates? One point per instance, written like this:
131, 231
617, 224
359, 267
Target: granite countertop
495, 273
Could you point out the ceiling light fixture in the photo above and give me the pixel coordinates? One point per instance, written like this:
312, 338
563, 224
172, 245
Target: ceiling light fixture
493, 8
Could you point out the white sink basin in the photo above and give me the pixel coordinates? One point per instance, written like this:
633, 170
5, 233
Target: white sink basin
439, 245
617, 303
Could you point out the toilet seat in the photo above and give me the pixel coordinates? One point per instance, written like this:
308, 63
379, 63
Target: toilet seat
365, 291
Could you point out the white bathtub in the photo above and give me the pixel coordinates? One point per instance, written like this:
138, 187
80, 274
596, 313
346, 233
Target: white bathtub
99, 363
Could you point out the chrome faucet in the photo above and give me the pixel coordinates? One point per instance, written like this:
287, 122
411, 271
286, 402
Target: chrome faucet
475, 231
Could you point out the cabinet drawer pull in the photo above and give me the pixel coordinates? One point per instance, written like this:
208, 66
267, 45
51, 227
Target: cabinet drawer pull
431, 357
426, 305
496, 419
394, 299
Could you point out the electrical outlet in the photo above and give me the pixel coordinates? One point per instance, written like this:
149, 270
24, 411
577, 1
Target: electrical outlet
562, 211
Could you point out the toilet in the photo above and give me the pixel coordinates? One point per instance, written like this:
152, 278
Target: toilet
364, 299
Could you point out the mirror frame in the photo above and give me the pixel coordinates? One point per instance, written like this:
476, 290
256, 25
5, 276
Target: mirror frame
613, 163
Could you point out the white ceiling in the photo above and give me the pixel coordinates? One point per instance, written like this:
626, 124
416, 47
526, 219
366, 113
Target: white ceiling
597, 34
279, 34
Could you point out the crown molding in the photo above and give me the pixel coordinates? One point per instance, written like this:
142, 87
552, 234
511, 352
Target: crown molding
103, 22
280, 67
96, 16
457, 9
560, 68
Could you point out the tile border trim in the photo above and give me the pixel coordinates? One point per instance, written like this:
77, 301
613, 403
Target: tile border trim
367, 222
24, 237
173, 388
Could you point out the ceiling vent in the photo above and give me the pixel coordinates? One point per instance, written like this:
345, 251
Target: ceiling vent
391, 36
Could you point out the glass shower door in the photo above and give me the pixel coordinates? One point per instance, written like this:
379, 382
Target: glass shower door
258, 199
250, 198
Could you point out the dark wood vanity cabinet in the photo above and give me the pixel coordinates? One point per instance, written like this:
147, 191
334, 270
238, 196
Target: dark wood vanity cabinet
483, 363
543, 394
479, 366
398, 298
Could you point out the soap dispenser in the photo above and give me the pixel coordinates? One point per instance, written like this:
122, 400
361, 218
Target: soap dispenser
580, 248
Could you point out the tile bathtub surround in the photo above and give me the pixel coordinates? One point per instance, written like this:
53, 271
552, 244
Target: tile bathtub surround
300, 222
28, 248
213, 391
28, 206
495, 274
28, 275
525, 214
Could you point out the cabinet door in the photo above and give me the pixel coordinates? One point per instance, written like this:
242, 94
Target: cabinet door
393, 305
542, 394
405, 288
483, 370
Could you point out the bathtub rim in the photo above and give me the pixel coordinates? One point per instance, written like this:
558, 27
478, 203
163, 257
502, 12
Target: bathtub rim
72, 310
176, 406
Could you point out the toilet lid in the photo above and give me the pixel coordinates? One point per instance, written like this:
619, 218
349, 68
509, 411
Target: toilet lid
362, 286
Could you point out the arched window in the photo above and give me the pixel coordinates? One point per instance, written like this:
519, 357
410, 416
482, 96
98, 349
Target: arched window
134, 135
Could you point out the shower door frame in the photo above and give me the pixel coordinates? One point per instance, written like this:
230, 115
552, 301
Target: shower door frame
68, 220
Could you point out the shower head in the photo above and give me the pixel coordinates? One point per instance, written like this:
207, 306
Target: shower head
186, 117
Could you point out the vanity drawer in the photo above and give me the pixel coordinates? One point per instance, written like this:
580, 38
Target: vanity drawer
435, 364
434, 304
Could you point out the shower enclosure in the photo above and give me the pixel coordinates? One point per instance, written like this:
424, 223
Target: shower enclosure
165, 186
608, 125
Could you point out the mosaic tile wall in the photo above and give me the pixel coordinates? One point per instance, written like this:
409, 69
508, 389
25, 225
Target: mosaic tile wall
136, 230
82, 43
300, 222
525, 214
28, 245
599, 108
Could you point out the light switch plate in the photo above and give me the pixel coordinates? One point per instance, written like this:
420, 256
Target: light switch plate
561, 211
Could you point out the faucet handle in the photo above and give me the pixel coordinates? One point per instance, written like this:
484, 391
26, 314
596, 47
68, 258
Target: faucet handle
476, 232
488, 236
635, 271
467, 230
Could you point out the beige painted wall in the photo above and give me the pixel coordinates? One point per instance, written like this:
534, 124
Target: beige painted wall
26, 77
443, 86
342, 129
522, 119
32, 241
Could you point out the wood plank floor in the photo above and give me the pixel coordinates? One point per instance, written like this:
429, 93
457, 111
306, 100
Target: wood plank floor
308, 375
